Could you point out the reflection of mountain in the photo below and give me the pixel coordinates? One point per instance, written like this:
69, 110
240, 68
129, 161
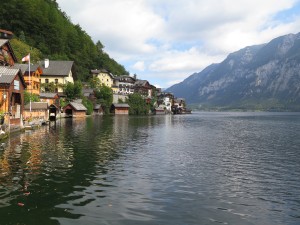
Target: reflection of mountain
256, 77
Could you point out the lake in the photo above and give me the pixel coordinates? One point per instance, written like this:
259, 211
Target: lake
202, 168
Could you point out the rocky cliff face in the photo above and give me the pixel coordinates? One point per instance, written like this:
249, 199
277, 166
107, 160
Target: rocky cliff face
257, 77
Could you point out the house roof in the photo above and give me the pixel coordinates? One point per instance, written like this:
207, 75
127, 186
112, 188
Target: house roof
6, 34
96, 71
48, 95
8, 74
141, 83
37, 106
24, 67
5, 41
78, 106
125, 78
56, 68
97, 106
121, 105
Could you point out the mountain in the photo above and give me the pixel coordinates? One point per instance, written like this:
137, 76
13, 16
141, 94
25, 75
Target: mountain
43, 26
260, 77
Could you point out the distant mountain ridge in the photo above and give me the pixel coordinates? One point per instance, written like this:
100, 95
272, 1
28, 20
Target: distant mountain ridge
262, 77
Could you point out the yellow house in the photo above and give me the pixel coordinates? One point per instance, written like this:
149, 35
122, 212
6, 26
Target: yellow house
104, 76
58, 73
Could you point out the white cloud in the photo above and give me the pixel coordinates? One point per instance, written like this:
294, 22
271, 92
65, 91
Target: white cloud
140, 66
168, 40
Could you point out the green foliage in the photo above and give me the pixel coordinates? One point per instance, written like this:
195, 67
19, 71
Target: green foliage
42, 25
21, 49
28, 96
104, 97
138, 105
73, 91
94, 82
89, 105
48, 87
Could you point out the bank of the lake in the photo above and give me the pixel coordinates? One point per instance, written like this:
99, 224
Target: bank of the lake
201, 168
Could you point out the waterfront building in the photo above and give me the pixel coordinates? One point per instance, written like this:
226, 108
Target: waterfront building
12, 87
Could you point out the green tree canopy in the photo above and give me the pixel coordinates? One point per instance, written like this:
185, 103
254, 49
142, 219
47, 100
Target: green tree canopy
104, 97
138, 105
43, 26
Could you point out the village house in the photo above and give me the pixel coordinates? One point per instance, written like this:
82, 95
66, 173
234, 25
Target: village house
165, 100
7, 56
143, 88
50, 98
33, 78
36, 111
75, 109
12, 87
57, 72
124, 84
105, 77
120, 109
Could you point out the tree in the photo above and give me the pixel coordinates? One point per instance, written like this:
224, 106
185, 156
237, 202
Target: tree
89, 105
28, 96
138, 105
73, 91
104, 97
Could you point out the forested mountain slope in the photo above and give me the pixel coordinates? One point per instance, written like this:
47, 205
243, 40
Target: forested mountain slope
42, 25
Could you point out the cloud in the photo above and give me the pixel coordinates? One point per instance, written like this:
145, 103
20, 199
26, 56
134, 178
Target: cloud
140, 66
168, 40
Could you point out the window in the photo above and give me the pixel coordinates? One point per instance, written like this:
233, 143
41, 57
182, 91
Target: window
56, 81
46, 81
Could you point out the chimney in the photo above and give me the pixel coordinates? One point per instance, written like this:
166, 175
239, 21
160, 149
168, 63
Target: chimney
47, 62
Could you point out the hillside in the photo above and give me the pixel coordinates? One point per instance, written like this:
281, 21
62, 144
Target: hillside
262, 77
43, 26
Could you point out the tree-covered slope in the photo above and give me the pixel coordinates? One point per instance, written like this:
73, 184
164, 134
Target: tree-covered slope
42, 25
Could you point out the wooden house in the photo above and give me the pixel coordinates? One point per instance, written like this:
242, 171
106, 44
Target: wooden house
143, 87
7, 56
50, 98
37, 111
5, 34
33, 78
120, 109
75, 109
12, 87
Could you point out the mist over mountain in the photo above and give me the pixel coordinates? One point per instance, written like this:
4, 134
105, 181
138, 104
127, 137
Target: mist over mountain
260, 77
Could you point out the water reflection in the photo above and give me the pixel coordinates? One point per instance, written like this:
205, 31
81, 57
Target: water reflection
214, 168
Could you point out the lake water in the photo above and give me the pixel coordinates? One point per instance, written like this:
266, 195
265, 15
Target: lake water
203, 168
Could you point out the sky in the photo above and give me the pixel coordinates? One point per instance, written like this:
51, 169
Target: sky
165, 41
